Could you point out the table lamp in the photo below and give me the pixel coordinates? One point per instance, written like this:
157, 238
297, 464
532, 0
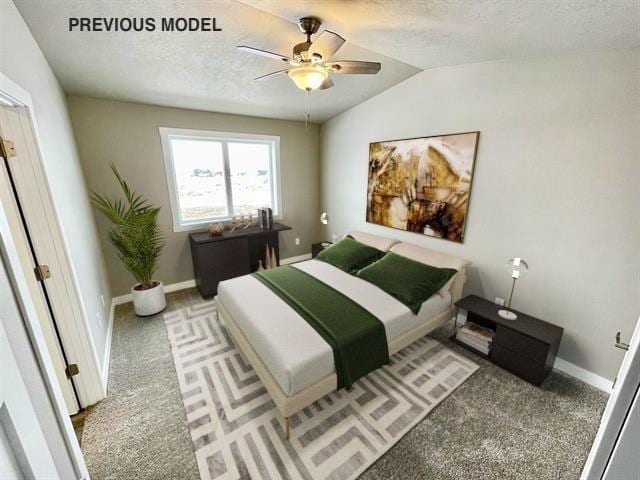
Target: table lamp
518, 269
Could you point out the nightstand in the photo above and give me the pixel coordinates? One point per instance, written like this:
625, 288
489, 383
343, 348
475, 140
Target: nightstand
526, 346
316, 248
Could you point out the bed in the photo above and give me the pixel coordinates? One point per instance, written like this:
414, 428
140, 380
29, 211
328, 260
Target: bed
292, 360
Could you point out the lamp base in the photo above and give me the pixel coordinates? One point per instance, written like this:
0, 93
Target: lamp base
507, 314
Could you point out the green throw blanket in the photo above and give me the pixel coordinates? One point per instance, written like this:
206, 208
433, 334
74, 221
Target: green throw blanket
357, 338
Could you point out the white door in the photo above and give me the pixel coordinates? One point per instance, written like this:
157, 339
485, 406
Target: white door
24, 453
625, 459
614, 455
37, 289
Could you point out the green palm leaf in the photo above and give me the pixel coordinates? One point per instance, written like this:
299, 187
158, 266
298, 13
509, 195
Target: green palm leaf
134, 232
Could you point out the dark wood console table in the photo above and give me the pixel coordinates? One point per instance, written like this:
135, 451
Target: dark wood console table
526, 346
231, 254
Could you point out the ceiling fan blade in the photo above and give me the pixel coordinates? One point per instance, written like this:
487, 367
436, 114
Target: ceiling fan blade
326, 44
264, 53
272, 74
353, 66
326, 84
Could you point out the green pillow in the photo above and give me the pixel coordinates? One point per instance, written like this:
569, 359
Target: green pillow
411, 282
349, 255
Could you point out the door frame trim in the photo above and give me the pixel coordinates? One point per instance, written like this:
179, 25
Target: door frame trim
616, 411
21, 290
90, 383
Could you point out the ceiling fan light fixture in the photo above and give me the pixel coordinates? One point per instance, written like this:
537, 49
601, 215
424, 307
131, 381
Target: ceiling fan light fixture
308, 77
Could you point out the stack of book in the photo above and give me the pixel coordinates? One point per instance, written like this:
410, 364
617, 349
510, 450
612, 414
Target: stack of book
480, 338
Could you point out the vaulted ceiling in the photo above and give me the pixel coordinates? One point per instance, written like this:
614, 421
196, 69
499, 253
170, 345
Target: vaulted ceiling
203, 70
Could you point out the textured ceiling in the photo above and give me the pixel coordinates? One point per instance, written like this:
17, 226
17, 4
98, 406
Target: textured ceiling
433, 33
199, 70
203, 70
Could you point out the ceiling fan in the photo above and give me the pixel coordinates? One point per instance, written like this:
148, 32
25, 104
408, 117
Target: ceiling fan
310, 65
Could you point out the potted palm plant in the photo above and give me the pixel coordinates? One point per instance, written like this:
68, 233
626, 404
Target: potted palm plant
137, 239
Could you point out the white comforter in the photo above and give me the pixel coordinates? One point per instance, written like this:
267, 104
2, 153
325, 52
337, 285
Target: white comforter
294, 353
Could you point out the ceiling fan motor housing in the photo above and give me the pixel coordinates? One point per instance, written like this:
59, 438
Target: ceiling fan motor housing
309, 25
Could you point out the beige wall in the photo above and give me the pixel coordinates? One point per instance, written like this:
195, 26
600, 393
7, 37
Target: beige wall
127, 134
556, 182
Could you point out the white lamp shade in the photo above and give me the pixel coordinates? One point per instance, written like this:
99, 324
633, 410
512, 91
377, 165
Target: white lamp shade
308, 77
517, 267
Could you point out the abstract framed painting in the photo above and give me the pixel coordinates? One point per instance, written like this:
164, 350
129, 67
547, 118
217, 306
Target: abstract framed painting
422, 185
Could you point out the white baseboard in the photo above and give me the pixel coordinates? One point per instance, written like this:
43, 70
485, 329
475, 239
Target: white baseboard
121, 299
107, 349
299, 258
173, 287
585, 375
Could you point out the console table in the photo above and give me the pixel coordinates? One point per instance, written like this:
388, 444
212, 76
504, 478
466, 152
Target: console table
231, 254
526, 346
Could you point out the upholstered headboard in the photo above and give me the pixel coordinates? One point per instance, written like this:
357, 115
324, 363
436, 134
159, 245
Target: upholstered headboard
375, 241
430, 257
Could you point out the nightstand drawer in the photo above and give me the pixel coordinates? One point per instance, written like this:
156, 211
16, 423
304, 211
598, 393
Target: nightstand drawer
526, 346
517, 363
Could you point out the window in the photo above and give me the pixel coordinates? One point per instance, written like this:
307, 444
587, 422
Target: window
215, 176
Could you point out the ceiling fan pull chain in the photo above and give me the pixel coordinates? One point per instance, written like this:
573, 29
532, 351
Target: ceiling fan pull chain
306, 110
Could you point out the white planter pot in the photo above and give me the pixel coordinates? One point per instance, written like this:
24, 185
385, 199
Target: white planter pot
149, 302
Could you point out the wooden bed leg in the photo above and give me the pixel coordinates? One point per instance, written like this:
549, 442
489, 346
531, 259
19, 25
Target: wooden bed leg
287, 427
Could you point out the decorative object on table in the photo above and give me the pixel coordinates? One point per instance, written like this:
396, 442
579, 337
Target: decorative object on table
234, 224
267, 258
265, 218
480, 338
216, 228
269, 218
324, 218
136, 236
273, 260
260, 267
240, 222
518, 269
526, 347
422, 184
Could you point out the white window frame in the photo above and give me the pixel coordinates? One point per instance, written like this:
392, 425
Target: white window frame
166, 134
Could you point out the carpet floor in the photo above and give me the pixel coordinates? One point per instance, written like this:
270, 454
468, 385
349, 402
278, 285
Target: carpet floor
493, 426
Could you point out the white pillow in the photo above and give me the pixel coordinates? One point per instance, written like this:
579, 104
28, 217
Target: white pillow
375, 241
429, 257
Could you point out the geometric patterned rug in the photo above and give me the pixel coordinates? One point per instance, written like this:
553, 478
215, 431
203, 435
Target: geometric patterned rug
238, 433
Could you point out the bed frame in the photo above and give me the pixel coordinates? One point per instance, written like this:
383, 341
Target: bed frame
288, 405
